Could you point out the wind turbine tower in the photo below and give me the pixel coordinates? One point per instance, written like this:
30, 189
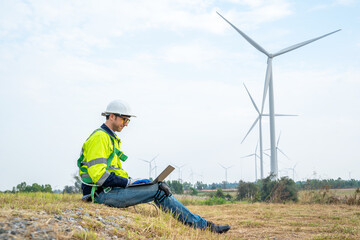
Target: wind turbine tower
150, 169
179, 167
269, 85
255, 156
155, 168
225, 168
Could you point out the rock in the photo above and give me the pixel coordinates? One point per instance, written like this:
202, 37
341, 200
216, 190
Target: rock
2, 231
5, 236
87, 214
27, 223
58, 217
114, 224
80, 228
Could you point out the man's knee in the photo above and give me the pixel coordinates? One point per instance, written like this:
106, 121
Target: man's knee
163, 192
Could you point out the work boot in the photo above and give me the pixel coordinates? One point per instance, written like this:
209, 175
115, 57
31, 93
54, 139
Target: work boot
217, 228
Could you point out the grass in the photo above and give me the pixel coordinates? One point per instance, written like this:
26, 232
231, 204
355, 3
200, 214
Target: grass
248, 221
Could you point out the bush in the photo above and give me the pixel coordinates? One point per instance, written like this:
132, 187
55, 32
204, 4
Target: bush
215, 201
324, 196
278, 190
353, 199
219, 193
193, 191
247, 191
176, 187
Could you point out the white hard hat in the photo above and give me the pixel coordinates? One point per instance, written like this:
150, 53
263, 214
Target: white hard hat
118, 107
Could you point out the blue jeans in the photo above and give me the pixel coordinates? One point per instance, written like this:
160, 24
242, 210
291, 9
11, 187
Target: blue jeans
125, 197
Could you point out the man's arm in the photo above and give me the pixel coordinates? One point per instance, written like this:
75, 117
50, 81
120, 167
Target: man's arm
115, 181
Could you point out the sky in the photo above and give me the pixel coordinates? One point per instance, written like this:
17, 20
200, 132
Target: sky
182, 69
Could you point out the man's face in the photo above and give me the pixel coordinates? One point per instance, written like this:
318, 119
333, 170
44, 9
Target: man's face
119, 122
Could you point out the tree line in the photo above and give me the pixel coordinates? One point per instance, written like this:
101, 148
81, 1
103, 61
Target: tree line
263, 189
314, 184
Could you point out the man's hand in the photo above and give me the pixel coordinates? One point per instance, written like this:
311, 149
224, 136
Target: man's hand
141, 181
134, 181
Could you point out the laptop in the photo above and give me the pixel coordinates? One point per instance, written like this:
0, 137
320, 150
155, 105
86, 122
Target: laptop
159, 178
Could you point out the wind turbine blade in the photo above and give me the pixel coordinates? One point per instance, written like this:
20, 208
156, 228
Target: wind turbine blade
144, 160
252, 100
267, 81
283, 153
248, 155
222, 166
154, 157
286, 115
267, 154
295, 166
293, 47
257, 119
252, 42
277, 143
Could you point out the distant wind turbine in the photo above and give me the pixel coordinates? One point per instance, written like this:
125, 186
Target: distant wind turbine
258, 119
269, 85
293, 171
255, 158
277, 147
179, 167
226, 168
155, 168
150, 169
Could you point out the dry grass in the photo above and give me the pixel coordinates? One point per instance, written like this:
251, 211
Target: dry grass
248, 221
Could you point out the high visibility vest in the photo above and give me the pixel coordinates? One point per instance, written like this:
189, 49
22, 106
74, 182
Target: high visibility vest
101, 156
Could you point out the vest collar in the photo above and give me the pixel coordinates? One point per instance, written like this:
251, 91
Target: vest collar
109, 131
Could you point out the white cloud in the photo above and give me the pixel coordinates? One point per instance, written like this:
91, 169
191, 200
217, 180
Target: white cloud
335, 3
195, 53
259, 12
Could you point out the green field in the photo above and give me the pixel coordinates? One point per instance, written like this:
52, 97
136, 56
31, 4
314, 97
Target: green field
64, 216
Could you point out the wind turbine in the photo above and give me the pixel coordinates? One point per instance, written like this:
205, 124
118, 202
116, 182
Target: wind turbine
258, 119
191, 175
269, 85
293, 171
180, 180
155, 168
255, 156
226, 168
149, 164
277, 147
